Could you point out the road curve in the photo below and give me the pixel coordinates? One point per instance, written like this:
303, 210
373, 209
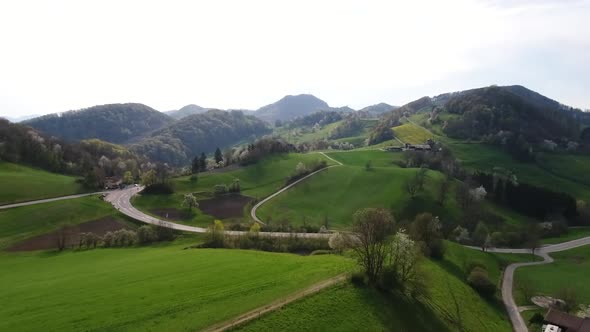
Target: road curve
518, 324
121, 200
259, 204
47, 200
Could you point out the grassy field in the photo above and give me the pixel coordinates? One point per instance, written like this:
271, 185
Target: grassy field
348, 308
360, 158
410, 133
340, 191
21, 183
356, 138
152, 288
486, 157
257, 181
572, 234
27, 221
571, 267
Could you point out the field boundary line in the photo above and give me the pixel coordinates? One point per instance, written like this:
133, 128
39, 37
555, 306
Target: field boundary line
277, 304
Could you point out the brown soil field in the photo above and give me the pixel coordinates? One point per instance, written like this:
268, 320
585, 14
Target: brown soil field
49, 240
226, 206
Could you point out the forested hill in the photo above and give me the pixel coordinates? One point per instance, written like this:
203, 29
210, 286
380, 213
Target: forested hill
116, 123
186, 111
181, 141
507, 115
290, 107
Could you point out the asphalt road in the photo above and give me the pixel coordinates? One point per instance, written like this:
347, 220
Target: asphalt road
518, 324
120, 199
10, 206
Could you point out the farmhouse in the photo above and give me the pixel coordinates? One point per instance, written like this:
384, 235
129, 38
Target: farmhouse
557, 321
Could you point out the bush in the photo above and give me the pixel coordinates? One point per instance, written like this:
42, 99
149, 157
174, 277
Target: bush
220, 189
471, 265
158, 189
537, 319
479, 280
194, 178
437, 249
358, 279
146, 234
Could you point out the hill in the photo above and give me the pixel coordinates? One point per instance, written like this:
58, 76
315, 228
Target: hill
116, 123
21, 183
92, 158
186, 111
290, 107
378, 109
184, 139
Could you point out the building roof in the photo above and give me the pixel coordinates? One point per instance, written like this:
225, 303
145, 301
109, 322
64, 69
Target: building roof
569, 322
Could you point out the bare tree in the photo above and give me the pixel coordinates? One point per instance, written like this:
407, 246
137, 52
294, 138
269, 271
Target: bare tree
443, 193
370, 230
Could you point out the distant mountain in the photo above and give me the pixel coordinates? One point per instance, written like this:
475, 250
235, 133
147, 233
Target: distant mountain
18, 119
186, 111
378, 109
512, 115
290, 107
116, 123
178, 143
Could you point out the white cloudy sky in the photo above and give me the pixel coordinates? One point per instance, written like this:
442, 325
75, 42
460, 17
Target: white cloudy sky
59, 55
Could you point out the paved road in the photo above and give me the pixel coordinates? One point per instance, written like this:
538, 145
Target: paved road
121, 200
518, 324
9, 206
253, 211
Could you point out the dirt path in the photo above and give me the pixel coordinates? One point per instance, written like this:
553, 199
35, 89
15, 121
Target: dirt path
253, 314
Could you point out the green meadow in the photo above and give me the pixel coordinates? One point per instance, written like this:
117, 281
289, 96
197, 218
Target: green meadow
20, 183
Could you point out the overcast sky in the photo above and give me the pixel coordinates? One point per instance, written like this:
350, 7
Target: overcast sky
62, 55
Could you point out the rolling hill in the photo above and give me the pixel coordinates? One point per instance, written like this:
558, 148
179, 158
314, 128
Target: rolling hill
186, 111
115, 123
290, 107
181, 141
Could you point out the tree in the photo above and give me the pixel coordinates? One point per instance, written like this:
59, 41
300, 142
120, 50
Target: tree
337, 242
371, 227
146, 234
63, 236
427, 229
149, 178
443, 192
480, 281
218, 156
203, 162
195, 165
215, 234
412, 187
481, 236
128, 177
255, 228
533, 237
190, 201
369, 166
404, 256
569, 297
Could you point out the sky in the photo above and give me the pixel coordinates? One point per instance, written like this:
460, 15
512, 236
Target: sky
62, 55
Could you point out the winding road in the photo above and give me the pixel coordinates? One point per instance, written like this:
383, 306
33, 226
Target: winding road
518, 324
47, 200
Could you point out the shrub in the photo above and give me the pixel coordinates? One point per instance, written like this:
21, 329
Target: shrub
480, 281
537, 319
220, 189
159, 189
471, 265
194, 178
107, 239
146, 234
358, 279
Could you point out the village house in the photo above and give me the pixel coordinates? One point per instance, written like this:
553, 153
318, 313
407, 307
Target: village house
557, 321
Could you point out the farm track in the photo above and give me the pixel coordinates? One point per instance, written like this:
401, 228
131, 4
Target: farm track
256, 313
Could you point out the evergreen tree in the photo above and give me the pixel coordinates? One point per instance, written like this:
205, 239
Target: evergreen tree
203, 162
218, 156
196, 165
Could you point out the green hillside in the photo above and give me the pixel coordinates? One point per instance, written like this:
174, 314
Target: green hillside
152, 288
340, 191
257, 181
348, 308
27, 221
21, 183
412, 134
